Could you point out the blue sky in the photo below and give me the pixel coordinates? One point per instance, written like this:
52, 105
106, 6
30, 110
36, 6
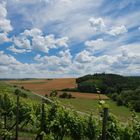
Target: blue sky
69, 38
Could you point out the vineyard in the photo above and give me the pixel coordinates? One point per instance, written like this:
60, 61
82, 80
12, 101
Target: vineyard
27, 116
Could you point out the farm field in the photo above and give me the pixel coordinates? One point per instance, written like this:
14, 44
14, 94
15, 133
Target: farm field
84, 102
45, 86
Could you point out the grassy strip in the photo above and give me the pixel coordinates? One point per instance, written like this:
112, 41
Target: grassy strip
92, 106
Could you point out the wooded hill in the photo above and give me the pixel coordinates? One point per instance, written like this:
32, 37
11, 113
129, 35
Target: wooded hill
125, 90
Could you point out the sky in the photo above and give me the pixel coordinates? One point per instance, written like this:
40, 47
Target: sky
69, 38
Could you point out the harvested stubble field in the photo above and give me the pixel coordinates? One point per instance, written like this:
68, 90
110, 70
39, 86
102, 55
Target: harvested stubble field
45, 86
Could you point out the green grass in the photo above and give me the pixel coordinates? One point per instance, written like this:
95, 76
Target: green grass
32, 136
10, 89
91, 106
4, 88
27, 135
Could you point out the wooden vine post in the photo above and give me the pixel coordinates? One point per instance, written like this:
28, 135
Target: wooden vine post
17, 117
42, 124
104, 124
42, 118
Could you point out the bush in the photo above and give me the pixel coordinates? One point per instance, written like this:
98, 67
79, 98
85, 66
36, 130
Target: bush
135, 105
114, 96
65, 95
53, 93
119, 101
46, 95
70, 89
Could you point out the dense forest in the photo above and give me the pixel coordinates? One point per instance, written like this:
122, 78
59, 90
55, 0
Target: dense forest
125, 90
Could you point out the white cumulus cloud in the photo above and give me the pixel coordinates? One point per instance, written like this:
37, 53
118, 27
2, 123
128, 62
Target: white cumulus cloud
7, 59
16, 51
97, 24
5, 24
83, 57
34, 39
4, 38
95, 45
117, 30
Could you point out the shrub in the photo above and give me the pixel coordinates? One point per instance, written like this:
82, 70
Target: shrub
114, 96
53, 93
70, 89
65, 95
119, 101
46, 95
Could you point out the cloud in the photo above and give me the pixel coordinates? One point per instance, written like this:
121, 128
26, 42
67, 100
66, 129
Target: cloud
64, 17
120, 64
17, 51
95, 45
5, 25
22, 42
92, 64
62, 41
4, 38
126, 64
7, 59
64, 59
12, 68
66, 65
97, 24
131, 49
55, 64
33, 32
117, 30
35, 40
70, 38
83, 57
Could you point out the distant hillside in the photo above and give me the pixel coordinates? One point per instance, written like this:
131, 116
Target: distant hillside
123, 89
109, 83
